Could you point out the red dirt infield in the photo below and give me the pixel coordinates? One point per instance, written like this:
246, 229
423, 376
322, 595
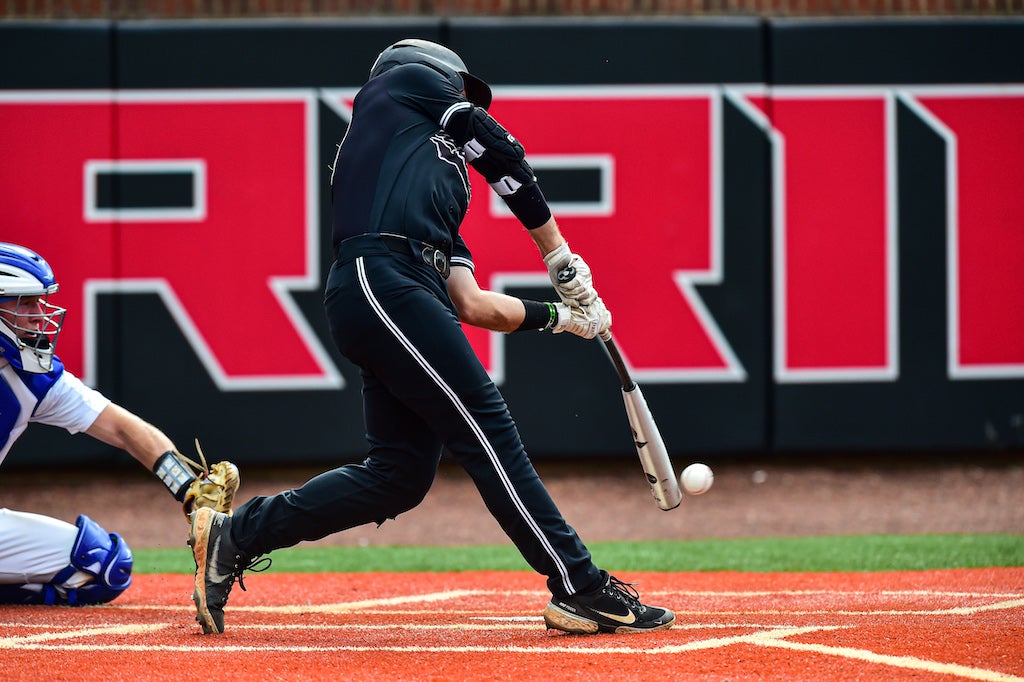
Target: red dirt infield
821, 627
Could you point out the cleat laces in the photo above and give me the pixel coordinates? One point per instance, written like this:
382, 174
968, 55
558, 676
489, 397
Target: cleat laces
625, 594
257, 565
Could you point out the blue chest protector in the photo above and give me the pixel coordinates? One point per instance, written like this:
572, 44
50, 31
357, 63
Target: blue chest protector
12, 408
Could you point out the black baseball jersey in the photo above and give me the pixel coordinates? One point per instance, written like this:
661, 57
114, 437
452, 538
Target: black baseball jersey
397, 170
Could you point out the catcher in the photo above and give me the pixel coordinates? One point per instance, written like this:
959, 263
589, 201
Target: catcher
45, 560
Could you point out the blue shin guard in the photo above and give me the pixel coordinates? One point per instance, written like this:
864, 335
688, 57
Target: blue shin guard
105, 556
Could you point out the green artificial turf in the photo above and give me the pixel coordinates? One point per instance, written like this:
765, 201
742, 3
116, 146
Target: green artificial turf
828, 553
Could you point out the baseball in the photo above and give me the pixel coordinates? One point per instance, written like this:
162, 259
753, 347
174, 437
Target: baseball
696, 479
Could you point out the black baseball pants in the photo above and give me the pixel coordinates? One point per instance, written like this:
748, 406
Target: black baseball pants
423, 389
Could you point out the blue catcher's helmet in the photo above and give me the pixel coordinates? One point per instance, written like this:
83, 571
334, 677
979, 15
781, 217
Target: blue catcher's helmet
29, 325
439, 58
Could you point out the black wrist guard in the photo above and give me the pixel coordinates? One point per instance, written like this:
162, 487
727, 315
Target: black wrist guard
539, 316
529, 206
174, 474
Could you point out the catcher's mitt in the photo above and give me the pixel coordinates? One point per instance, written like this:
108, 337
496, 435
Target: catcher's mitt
214, 487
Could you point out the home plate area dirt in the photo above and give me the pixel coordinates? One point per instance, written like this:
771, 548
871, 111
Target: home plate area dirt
921, 625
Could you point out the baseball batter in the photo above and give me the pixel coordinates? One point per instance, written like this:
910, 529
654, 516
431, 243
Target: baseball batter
45, 560
397, 295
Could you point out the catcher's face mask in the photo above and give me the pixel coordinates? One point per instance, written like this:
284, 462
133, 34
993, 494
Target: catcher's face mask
32, 324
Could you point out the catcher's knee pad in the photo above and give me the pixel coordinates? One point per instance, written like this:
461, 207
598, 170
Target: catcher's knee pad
105, 556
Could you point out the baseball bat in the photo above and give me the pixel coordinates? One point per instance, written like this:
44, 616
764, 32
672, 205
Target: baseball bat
650, 448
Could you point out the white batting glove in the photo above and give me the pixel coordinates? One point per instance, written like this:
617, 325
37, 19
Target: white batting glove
585, 322
571, 277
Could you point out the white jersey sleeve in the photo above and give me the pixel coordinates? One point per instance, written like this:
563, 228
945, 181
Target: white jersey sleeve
71, 404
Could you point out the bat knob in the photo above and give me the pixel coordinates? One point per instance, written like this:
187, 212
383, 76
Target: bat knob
566, 274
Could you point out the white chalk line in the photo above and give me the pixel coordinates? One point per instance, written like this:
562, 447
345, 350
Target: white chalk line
365, 604
494, 624
556, 646
494, 627
840, 593
905, 662
952, 611
30, 641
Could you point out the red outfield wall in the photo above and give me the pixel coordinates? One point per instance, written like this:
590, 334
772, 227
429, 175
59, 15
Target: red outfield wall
808, 232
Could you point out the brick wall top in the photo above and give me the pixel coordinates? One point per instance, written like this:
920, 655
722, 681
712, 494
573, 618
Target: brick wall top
216, 9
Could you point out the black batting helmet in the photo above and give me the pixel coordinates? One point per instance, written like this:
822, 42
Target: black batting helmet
438, 57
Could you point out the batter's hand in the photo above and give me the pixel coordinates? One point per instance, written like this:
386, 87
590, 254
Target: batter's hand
570, 275
585, 322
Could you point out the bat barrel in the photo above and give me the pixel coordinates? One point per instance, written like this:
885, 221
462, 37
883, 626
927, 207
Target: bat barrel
651, 450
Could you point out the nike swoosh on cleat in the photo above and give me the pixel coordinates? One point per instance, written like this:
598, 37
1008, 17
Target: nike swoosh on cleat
214, 574
625, 620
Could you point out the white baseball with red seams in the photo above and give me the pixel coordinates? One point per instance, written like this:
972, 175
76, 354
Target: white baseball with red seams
696, 479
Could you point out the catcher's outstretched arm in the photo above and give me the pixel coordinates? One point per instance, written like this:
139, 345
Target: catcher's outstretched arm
191, 483
126, 431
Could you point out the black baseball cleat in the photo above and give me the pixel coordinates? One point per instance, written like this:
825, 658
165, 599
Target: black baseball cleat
615, 608
218, 564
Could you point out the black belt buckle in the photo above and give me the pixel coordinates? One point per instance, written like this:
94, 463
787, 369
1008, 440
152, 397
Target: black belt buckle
436, 259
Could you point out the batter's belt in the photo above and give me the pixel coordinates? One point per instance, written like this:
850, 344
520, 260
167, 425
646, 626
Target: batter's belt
383, 243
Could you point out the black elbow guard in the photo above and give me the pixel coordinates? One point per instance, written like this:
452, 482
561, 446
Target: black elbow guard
497, 155
493, 151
